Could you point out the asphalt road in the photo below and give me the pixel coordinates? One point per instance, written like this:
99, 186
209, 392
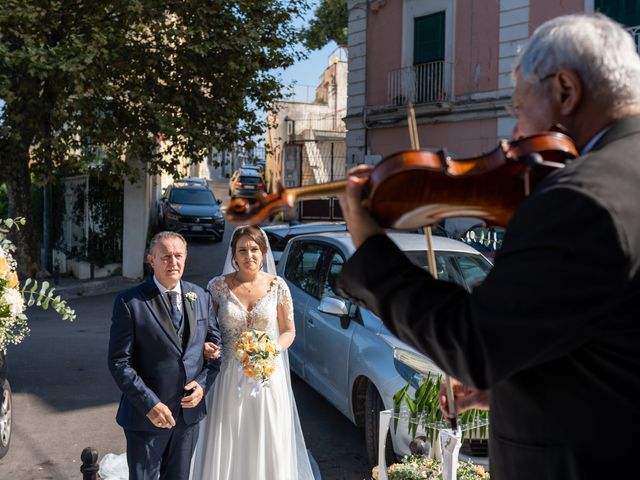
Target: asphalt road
64, 398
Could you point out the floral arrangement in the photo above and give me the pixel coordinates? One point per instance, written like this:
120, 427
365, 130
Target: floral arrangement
419, 467
15, 299
257, 350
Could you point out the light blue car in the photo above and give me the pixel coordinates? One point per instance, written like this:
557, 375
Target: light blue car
344, 351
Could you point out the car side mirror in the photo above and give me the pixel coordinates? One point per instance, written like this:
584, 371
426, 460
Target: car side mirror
218, 201
337, 307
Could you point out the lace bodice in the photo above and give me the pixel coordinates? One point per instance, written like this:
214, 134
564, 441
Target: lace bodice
234, 318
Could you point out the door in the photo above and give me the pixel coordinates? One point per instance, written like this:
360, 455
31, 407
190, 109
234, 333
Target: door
300, 272
328, 340
428, 57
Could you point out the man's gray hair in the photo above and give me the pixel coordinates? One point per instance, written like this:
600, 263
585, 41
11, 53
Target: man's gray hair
162, 236
598, 49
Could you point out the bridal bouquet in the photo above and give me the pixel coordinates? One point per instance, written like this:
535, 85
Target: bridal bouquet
257, 350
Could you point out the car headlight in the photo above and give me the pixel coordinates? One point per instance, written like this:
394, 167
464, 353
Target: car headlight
172, 216
411, 365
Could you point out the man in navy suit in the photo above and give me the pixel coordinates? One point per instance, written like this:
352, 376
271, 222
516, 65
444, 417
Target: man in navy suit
156, 357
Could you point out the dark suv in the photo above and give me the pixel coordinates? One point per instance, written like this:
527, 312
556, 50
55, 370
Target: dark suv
191, 209
5, 407
245, 182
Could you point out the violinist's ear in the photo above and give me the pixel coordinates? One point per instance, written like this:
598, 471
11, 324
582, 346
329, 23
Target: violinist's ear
568, 91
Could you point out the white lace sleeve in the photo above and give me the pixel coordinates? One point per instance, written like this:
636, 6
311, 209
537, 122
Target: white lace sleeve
217, 288
284, 298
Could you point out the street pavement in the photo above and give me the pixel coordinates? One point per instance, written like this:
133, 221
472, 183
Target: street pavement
64, 398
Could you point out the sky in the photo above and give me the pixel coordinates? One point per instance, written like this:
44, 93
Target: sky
306, 73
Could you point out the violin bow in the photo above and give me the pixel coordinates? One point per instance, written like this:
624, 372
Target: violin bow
431, 260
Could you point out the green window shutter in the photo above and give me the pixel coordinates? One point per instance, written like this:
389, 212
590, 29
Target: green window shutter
428, 38
626, 12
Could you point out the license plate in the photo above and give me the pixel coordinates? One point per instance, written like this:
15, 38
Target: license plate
250, 187
197, 228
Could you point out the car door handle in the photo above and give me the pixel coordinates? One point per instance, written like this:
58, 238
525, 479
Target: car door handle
310, 322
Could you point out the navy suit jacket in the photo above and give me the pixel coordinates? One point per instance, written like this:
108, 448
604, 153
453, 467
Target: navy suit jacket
147, 360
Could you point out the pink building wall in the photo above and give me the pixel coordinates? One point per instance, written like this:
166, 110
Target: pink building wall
541, 11
465, 139
384, 49
476, 46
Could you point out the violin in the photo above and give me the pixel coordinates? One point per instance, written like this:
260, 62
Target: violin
410, 189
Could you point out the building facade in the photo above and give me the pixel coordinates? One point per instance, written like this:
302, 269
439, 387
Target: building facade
451, 59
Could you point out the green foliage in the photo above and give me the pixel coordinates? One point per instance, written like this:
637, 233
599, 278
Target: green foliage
329, 24
83, 78
43, 296
424, 411
88, 82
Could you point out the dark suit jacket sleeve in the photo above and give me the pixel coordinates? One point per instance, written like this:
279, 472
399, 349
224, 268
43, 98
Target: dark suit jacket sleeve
121, 343
560, 268
211, 367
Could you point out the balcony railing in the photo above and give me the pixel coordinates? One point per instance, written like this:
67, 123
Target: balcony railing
635, 33
424, 83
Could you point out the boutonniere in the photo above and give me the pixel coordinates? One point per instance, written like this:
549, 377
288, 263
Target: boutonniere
191, 296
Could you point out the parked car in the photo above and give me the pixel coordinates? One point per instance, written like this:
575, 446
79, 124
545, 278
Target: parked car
191, 209
344, 351
5, 406
258, 167
279, 235
197, 181
245, 183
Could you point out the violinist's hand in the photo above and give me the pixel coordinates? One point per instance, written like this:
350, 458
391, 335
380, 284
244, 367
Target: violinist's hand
360, 222
464, 398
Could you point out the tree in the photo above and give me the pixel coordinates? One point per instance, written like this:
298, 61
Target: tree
329, 23
85, 76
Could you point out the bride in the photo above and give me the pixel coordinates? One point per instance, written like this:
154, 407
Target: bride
251, 432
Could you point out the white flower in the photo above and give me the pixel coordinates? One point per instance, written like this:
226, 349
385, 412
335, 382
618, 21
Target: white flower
191, 296
13, 299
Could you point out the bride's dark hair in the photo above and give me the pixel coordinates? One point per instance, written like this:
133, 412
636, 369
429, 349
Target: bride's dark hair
254, 233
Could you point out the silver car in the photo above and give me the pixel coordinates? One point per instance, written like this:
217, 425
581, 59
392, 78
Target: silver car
345, 352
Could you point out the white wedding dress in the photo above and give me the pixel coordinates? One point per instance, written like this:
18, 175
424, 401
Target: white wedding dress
250, 433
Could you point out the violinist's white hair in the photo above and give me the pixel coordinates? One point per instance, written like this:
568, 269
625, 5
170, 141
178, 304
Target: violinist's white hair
598, 49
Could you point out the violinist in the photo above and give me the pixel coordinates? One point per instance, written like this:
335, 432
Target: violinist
552, 336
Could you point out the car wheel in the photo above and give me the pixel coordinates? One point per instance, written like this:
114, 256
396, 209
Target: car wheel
373, 406
5, 419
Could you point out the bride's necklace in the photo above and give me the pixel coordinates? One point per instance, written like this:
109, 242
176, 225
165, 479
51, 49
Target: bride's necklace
244, 284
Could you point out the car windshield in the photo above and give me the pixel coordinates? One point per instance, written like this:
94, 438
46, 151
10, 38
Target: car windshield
192, 197
465, 269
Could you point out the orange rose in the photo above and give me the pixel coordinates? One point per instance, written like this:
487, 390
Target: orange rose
7, 273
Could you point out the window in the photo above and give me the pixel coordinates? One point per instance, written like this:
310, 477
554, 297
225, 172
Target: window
473, 269
464, 269
428, 38
335, 266
304, 267
428, 57
627, 12
192, 197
